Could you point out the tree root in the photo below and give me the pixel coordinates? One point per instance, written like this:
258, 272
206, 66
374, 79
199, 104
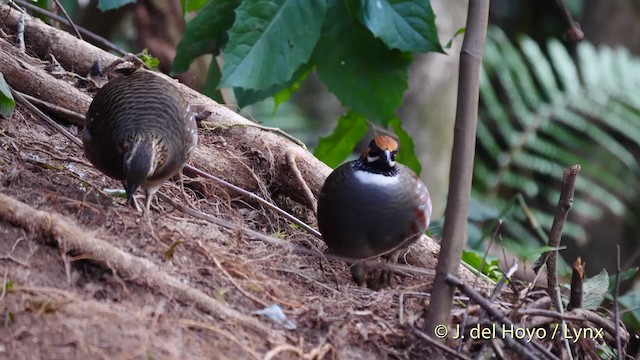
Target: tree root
71, 237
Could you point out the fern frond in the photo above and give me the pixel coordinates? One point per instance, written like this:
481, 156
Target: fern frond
542, 111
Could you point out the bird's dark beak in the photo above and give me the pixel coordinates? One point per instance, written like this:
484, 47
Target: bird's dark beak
387, 156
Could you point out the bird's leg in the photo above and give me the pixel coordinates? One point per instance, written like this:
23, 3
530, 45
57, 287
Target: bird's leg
359, 274
386, 275
184, 193
150, 191
131, 198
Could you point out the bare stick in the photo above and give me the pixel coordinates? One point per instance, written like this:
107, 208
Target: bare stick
256, 198
96, 38
555, 234
64, 12
464, 142
46, 118
312, 203
577, 282
573, 33
616, 305
521, 345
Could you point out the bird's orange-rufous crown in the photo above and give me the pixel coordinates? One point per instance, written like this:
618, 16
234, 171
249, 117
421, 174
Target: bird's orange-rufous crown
385, 142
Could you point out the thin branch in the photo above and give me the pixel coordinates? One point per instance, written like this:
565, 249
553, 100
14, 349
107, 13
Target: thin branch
46, 118
66, 15
94, 37
464, 141
573, 33
616, 305
555, 234
521, 345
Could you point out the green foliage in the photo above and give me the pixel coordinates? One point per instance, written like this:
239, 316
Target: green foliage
149, 60
333, 149
105, 5
594, 290
362, 55
269, 40
205, 34
399, 25
488, 265
7, 103
338, 145
541, 113
192, 5
406, 155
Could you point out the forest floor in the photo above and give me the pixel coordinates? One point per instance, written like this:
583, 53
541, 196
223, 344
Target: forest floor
61, 301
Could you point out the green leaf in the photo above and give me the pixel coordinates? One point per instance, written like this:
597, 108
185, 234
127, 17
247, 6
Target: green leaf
624, 275
594, 289
490, 267
269, 40
631, 300
211, 85
7, 103
333, 149
205, 34
360, 70
406, 25
105, 5
455, 35
407, 153
192, 5
151, 61
280, 92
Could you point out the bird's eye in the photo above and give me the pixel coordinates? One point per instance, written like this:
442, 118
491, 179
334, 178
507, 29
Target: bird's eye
393, 155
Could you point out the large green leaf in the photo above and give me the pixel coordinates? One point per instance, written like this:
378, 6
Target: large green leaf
105, 5
406, 25
192, 5
269, 40
206, 33
280, 92
365, 75
333, 149
211, 84
7, 103
407, 153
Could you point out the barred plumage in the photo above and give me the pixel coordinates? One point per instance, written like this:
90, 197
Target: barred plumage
140, 130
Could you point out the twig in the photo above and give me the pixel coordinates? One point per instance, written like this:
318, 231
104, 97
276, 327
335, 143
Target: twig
313, 204
20, 33
96, 38
256, 198
64, 12
555, 234
46, 118
484, 258
573, 33
53, 107
577, 282
564, 339
373, 263
437, 344
521, 345
616, 305
464, 140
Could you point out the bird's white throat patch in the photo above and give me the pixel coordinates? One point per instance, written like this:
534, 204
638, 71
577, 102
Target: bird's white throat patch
370, 178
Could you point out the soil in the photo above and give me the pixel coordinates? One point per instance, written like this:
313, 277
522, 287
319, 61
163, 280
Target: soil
67, 305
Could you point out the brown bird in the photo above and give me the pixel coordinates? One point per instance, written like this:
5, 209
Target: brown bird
141, 131
373, 207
